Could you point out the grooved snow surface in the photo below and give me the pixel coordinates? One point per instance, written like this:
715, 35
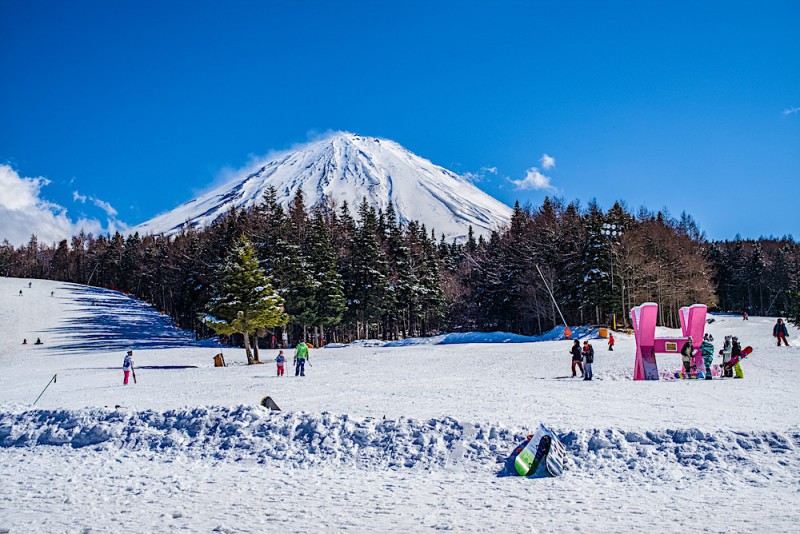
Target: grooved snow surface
348, 167
408, 438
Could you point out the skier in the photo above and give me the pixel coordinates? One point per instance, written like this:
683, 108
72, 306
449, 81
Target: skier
25, 341
20, 292
779, 331
610, 341
686, 356
280, 360
127, 367
736, 356
744, 316
707, 348
576, 358
727, 371
51, 293
29, 285
588, 357
38, 341
300, 357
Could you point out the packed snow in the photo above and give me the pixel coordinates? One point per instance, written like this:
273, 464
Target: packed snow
410, 436
348, 167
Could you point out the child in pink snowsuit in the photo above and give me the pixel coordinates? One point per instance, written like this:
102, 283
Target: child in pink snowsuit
127, 365
280, 360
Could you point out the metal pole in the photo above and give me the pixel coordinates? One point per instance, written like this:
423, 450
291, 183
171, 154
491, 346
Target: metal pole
551, 294
52, 381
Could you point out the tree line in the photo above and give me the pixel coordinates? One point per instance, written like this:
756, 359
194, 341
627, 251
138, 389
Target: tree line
341, 278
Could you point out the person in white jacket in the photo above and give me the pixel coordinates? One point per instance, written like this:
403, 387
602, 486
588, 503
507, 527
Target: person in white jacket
127, 367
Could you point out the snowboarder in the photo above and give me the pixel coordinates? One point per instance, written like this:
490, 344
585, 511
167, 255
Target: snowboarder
576, 358
707, 348
727, 371
588, 360
38, 341
300, 357
736, 355
280, 361
610, 341
780, 332
686, 356
127, 367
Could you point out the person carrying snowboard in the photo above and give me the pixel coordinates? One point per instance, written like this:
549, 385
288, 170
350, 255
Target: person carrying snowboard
280, 361
779, 331
300, 357
686, 356
736, 356
588, 360
727, 371
707, 348
576, 358
127, 367
610, 341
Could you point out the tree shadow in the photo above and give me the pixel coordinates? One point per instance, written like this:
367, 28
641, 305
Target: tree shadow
109, 320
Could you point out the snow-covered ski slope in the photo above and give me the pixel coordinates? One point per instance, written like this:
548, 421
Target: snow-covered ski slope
410, 438
349, 167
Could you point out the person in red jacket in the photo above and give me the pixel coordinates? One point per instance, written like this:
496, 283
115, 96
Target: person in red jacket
610, 341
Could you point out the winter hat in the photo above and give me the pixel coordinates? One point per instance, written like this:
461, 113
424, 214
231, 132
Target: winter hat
130, 353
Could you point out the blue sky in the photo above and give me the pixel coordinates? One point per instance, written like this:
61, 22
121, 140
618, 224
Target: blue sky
136, 106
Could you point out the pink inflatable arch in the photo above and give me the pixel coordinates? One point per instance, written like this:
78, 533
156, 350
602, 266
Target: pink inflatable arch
693, 323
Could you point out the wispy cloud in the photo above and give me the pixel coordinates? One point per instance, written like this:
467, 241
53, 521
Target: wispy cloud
24, 211
534, 179
490, 170
102, 204
791, 111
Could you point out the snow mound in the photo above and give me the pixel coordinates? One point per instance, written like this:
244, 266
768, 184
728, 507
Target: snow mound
459, 338
304, 439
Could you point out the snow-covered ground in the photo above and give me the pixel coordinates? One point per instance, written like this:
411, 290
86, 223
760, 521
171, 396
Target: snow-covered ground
374, 438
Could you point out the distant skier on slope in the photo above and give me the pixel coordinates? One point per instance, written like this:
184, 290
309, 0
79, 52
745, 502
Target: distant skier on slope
707, 348
127, 367
576, 357
300, 357
686, 356
780, 332
610, 341
588, 360
280, 360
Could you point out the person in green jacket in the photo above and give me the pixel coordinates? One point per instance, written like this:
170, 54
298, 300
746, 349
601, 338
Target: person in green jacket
707, 348
300, 357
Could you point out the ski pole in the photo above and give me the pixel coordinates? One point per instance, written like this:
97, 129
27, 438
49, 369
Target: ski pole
133, 371
52, 381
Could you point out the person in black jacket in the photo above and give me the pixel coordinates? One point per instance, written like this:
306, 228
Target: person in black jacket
779, 331
588, 360
576, 357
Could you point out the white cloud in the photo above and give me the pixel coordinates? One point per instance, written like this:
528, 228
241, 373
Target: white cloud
24, 212
791, 111
77, 197
548, 162
491, 170
105, 206
534, 179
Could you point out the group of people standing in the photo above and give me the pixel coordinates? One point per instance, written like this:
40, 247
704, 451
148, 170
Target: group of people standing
300, 359
583, 358
731, 353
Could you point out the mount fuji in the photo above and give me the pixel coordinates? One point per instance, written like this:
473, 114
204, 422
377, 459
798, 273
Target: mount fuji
349, 167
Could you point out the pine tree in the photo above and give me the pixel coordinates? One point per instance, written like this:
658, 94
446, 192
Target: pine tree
329, 297
243, 300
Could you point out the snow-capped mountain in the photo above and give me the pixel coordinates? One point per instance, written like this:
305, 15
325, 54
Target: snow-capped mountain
348, 167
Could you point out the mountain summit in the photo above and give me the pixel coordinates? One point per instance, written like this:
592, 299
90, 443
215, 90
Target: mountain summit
349, 167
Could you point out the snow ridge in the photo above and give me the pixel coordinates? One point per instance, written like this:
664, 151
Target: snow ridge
348, 167
304, 439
